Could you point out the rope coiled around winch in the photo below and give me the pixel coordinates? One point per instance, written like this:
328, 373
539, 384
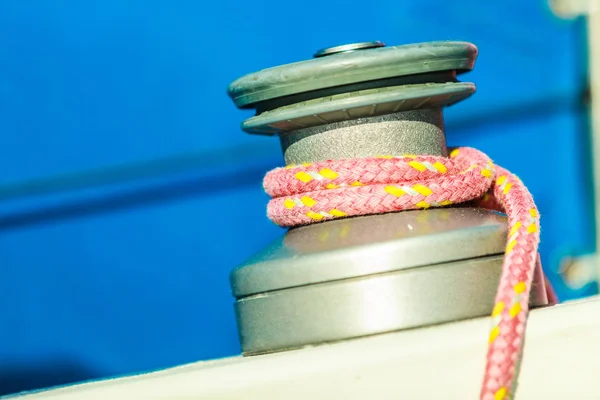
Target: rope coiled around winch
307, 193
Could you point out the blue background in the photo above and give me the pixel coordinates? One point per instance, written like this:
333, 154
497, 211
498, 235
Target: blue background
128, 191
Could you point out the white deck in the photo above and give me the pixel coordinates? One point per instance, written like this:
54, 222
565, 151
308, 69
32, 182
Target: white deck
562, 361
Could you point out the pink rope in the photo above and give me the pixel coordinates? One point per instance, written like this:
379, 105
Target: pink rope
332, 189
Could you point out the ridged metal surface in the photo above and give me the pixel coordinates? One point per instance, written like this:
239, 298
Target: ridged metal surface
390, 134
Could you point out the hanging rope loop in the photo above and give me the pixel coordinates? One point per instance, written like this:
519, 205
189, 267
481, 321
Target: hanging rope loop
308, 193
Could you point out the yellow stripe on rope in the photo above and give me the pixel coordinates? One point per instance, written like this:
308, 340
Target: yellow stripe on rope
500, 180
294, 165
507, 187
289, 204
303, 176
315, 216
331, 186
532, 228
454, 153
520, 287
515, 228
498, 308
332, 213
417, 165
500, 394
533, 212
486, 172
494, 334
440, 167
515, 310
337, 213
424, 190
423, 204
396, 191
308, 201
329, 174
510, 246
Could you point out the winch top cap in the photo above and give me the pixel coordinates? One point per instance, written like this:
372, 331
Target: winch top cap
346, 68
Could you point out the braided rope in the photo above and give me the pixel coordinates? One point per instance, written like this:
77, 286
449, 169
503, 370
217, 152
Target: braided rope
326, 190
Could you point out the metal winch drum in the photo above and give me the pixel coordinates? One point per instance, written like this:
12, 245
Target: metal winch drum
367, 275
